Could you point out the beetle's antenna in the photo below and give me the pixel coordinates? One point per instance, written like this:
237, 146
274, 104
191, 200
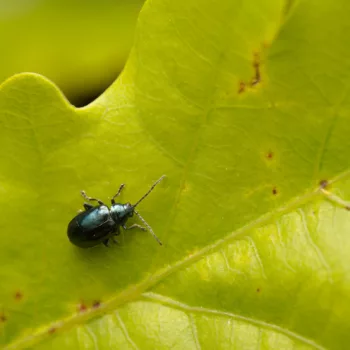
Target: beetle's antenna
149, 191
148, 227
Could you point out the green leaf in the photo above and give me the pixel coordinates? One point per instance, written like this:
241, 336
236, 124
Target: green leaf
82, 46
245, 108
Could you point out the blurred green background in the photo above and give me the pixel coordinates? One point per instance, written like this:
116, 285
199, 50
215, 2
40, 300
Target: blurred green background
80, 45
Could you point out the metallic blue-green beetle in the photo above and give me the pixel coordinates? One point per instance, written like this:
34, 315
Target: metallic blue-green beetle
98, 224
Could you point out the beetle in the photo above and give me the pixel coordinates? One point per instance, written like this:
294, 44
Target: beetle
98, 224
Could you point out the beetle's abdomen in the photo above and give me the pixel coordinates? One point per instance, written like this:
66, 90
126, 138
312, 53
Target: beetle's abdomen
91, 227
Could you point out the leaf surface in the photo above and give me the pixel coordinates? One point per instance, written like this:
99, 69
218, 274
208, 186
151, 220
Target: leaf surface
245, 108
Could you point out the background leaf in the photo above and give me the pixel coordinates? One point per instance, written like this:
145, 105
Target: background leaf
245, 108
81, 45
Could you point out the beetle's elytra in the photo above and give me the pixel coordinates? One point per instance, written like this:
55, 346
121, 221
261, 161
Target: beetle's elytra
98, 224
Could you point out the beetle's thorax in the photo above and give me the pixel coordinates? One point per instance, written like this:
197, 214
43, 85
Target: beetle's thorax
121, 212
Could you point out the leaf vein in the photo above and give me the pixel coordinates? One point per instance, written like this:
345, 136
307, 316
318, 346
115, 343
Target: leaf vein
314, 246
194, 331
125, 330
157, 298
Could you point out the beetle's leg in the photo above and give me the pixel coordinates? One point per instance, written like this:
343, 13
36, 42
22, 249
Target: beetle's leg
115, 241
106, 242
134, 226
88, 206
118, 193
90, 199
117, 231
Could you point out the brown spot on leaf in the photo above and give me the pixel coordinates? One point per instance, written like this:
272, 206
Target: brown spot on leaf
82, 307
3, 318
256, 65
323, 183
241, 87
274, 191
258, 290
256, 78
18, 295
347, 207
96, 304
269, 155
52, 330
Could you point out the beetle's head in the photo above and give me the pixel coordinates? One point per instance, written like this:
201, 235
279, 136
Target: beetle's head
129, 210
